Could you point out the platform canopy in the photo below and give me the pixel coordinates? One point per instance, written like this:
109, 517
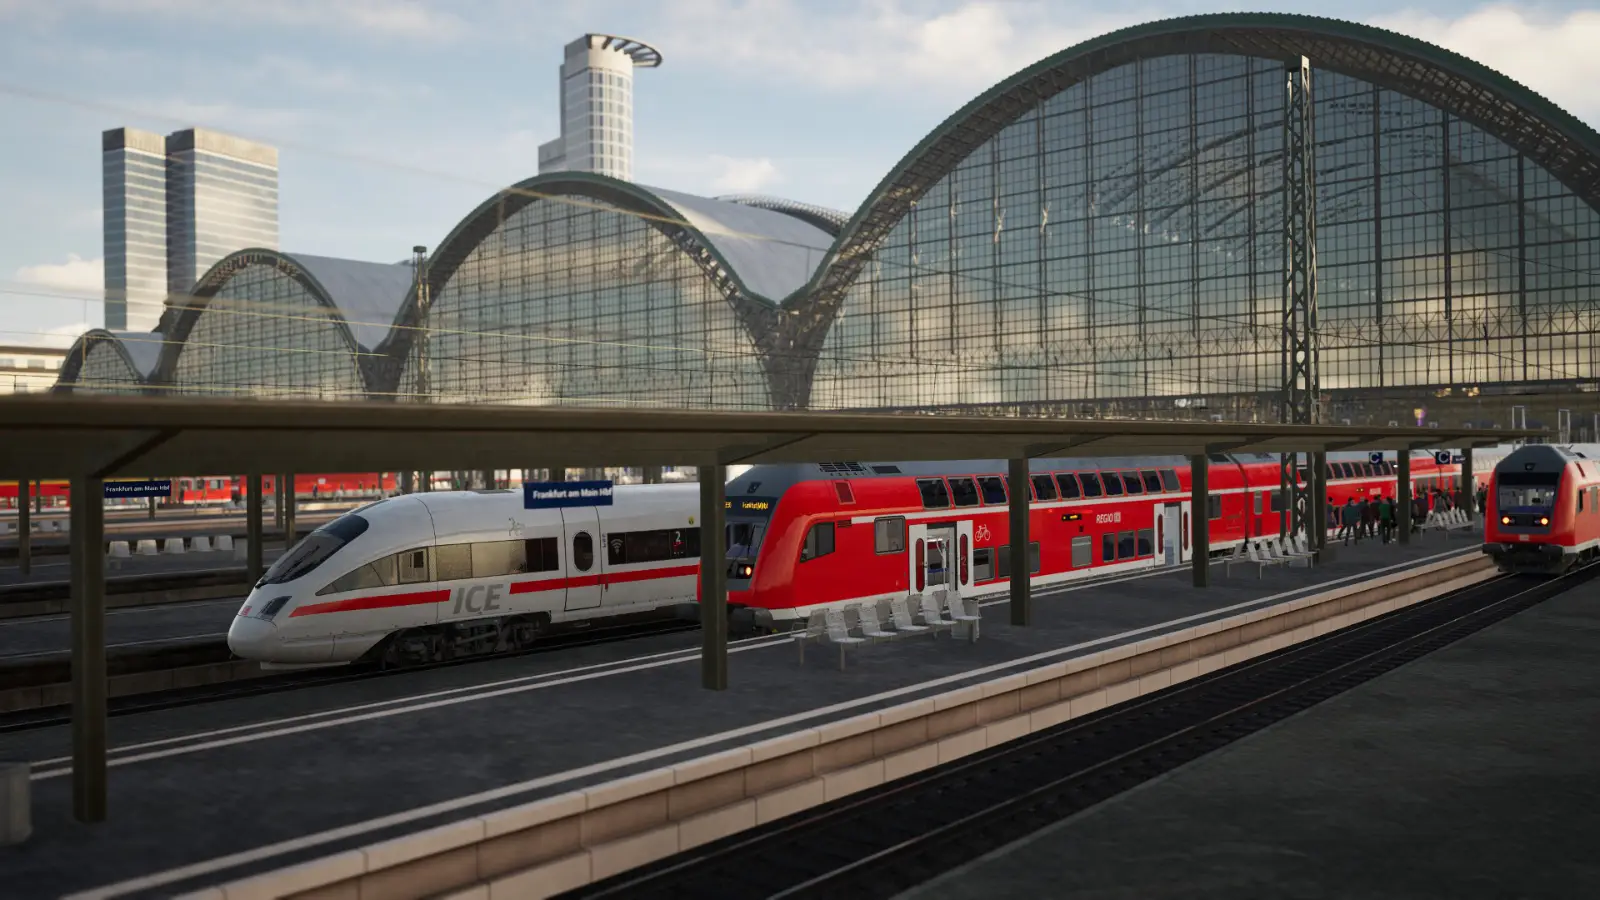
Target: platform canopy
54, 436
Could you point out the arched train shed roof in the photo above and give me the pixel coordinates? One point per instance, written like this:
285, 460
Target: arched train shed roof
1524, 120
363, 298
141, 350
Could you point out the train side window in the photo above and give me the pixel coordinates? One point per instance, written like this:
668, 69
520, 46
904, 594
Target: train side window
1082, 551
1257, 495
494, 558
1147, 542
889, 534
453, 561
1275, 501
543, 554
1580, 500
1108, 547
1068, 484
1044, 488
1213, 507
934, 493
1152, 481
1113, 483
1132, 482
1332, 472
1003, 557
1169, 481
963, 492
582, 551
1091, 484
983, 564
658, 545
376, 574
1127, 546
993, 488
413, 566
819, 541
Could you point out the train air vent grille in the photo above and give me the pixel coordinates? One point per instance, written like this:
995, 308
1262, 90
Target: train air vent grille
842, 468
886, 470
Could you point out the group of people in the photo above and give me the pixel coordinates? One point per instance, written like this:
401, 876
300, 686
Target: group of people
1378, 516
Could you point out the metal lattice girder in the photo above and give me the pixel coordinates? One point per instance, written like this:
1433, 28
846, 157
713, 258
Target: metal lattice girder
1299, 399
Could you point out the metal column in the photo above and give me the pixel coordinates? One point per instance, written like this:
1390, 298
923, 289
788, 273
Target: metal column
652, 474
1403, 494
88, 650
406, 482
713, 579
277, 502
1299, 401
288, 513
1467, 497
252, 531
24, 527
1317, 482
1200, 518
1021, 490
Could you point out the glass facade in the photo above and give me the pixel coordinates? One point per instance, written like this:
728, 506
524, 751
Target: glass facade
1123, 240
134, 224
597, 107
217, 204
578, 303
104, 370
264, 335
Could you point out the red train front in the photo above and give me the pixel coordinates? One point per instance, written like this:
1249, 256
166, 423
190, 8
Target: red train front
807, 536
1544, 510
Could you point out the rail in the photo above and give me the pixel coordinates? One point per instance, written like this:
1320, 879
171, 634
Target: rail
576, 839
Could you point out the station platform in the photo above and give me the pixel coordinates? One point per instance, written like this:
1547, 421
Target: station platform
136, 625
215, 791
1467, 773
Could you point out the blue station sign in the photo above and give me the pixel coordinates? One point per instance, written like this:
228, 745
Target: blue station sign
1375, 457
559, 494
126, 489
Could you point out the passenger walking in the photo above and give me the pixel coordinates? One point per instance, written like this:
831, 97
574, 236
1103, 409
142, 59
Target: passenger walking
1483, 500
1385, 518
1369, 518
1350, 517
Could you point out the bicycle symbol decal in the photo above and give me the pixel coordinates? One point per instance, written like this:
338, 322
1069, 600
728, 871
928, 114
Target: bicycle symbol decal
982, 534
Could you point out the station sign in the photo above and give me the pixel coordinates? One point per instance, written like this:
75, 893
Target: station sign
1442, 457
116, 490
1375, 457
560, 494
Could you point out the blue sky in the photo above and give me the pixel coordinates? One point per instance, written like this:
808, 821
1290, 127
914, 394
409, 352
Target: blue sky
394, 118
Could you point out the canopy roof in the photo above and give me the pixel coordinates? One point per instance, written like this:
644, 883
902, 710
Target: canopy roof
104, 436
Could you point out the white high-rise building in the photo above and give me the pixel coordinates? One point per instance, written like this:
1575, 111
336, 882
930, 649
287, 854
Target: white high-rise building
597, 106
133, 171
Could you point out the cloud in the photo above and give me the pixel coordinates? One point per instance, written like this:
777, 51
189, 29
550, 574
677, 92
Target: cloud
884, 45
75, 276
1551, 54
744, 176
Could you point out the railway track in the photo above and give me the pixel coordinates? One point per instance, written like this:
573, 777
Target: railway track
890, 839
270, 684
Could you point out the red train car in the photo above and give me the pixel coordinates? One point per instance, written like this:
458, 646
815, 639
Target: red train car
1543, 513
803, 537
220, 490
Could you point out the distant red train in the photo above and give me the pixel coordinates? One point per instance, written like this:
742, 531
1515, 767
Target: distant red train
1543, 513
802, 537
215, 490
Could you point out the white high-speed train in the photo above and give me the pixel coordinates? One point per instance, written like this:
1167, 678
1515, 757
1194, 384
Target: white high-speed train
425, 577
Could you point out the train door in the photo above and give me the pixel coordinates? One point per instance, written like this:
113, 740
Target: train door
917, 559
1169, 534
581, 546
961, 567
940, 564
1185, 548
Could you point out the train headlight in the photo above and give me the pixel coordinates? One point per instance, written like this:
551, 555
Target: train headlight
1544, 520
746, 570
1505, 520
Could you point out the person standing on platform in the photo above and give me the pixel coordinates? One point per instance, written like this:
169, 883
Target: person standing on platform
1385, 518
1349, 518
1369, 517
1483, 500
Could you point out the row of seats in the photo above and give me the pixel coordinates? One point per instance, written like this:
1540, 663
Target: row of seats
1447, 520
55, 526
914, 614
1270, 551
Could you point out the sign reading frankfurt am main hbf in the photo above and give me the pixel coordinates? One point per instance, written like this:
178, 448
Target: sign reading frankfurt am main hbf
126, 489
557, 494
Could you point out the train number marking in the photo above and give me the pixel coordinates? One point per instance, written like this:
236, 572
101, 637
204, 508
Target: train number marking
468, 598
1108, 518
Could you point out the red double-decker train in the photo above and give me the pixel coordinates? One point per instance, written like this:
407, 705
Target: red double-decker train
218, 490
1543, 513
804, 536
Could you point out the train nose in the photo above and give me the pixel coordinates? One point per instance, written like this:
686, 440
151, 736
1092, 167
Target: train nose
251, 638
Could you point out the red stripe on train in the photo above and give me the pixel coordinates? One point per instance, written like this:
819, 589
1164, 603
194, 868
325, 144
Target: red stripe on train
390, 601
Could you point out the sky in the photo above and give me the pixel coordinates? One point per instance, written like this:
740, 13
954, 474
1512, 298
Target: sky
395, 118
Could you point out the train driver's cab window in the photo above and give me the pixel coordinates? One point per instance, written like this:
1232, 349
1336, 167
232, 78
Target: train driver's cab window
317, 547
934, 494
1091, 484
1113, 483
964, 491
819, 541
1068, 483
994, 489
1044, 488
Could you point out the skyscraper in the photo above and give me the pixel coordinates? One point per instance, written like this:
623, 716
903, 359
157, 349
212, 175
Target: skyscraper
597, 106
222, 196
134, 227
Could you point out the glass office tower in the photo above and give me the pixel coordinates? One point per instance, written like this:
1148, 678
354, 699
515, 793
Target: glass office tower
222, 197
134, 227
597, 106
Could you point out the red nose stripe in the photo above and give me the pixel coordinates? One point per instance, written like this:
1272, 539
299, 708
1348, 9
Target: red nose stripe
417, 598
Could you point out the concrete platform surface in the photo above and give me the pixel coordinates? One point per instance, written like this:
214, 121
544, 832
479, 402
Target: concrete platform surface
41, 635
56, 569
1468, 773
203, 793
